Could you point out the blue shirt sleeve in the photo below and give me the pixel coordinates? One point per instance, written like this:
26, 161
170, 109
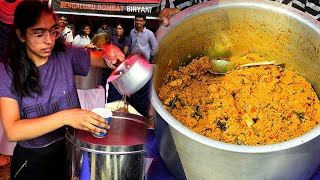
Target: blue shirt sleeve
154, 43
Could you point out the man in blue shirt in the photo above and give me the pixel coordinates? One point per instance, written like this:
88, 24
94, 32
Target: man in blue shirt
142, 39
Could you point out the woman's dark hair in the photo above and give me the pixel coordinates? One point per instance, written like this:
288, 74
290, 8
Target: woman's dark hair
104, 23
81, 33
63, 15
25, 74
121, 40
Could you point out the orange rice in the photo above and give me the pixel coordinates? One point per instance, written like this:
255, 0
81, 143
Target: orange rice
248, 106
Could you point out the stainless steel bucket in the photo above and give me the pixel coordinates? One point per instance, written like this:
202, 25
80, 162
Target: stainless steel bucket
120, 155
274, 30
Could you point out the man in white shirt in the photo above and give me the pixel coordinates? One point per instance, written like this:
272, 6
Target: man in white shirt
66, 33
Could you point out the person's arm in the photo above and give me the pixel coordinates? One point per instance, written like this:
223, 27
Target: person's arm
89, 45
97, 60
165, 15
69, 38
131, 41
76, 40
126, 50
171, 8
106, 58
126, 46
17, 129
154, 43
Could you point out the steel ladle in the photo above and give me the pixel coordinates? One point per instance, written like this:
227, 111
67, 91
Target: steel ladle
224, 66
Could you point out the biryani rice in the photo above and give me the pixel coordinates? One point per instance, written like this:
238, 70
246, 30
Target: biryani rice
249, 106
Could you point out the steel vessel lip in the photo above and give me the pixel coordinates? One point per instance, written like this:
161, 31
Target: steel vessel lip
215, 5
110, 149
225, 4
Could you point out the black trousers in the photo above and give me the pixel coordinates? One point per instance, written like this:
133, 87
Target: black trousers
48, 163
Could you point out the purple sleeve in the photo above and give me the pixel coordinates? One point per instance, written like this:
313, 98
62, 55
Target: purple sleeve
127, 42
5, 81
80, 60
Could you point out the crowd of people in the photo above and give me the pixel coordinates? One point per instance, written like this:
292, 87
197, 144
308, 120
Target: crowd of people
138, 40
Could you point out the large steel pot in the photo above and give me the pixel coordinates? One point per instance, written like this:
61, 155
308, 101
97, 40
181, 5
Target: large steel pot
118, 156
230, 28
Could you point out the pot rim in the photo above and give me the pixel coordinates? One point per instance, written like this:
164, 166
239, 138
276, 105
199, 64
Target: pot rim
220, 4
216, 4
110, 149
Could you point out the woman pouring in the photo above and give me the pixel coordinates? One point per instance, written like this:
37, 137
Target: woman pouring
38, 95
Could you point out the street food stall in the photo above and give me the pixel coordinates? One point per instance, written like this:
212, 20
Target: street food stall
218, 159
187, 154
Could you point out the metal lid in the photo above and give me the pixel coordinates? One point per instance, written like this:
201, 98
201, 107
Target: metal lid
127, 134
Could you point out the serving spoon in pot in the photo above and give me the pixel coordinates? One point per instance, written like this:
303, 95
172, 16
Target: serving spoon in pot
223, 66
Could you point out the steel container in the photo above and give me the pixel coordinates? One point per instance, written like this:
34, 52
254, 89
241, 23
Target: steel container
132, 74
226, 28
119, 155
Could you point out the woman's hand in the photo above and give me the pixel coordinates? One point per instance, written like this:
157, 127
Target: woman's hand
113, 55
90, 46
84, 120
166, 14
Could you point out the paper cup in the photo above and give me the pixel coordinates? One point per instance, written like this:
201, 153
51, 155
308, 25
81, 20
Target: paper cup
106, 114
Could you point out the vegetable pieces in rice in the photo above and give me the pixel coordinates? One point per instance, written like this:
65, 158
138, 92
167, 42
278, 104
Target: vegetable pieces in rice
249, 106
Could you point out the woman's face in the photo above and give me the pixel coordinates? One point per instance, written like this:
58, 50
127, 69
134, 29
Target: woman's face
86, 30
40, 38
119, 30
